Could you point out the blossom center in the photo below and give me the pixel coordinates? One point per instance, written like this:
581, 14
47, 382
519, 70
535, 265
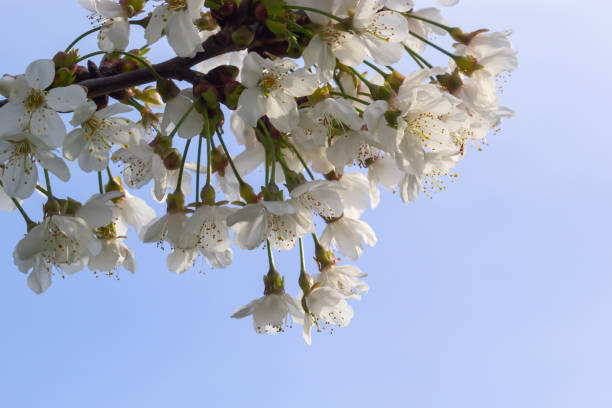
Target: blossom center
35, 99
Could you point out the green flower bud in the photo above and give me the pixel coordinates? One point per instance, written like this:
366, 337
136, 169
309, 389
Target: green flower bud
243, 36
208, 195
175, 202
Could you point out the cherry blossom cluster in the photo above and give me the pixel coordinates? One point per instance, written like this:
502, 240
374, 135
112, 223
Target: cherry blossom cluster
320, 115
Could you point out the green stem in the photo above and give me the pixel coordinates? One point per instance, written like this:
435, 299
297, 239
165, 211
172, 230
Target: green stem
229, 158
299, 28
426, 41
301, 159
91, 54
110, 174
349, 97
208, 154
181, 170
314, 10
80, 37
428, 21
100, 185
302, 261
270, 257
27, 219
375, 68
93, 30
197, 190
415, 56
182, 120
48, 181
365, 81
42, 190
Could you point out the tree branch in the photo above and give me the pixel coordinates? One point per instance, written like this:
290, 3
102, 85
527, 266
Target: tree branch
175, 68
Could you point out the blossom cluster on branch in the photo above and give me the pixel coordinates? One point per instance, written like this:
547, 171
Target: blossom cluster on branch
312, 92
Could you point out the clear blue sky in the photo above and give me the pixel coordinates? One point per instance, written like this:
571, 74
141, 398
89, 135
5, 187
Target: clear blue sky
496, 293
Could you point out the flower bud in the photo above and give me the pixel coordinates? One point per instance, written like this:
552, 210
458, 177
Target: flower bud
172, 159
247, 193
219, 161
132, 7
65, 60
452, 82
63, 77
175, 202
378, 92
468, 64
465, 38
206, 22
305, 281
70, 206
208, 195
167, 89
207, 93
51, 207
231, 94
161, 144
243, 36
323, 256
260, 13
293, 179
222, 73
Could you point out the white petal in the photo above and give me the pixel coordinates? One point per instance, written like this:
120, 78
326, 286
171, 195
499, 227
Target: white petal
67, 98
40, 74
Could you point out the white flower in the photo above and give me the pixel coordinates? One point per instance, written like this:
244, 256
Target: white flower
278, 221
137, 163
271, 86
113, 254
6, 204
131, 210
33, 109
325, 305
174, 18
321, 197
270, 312
174, 111
115, 32
91, 143
58, 242
422, 28
169, 228
19, 153
167, 179
381, 31
207, 231
345, 279
346, 234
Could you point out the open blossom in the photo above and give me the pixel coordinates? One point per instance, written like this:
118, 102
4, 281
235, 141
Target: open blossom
33, 109
174, 18
326, 306
137, 162
19, 154
59, 242
270, 312
348, 235
278, 221
272, 86
99, 131
207, 231
115, 32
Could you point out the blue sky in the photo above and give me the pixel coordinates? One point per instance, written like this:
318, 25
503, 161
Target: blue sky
495, 293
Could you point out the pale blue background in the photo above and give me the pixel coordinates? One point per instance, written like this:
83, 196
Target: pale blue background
496, 293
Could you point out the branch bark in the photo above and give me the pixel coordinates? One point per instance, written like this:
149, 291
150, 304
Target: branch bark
175, 68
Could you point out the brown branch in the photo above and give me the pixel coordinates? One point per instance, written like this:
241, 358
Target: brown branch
174, 68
